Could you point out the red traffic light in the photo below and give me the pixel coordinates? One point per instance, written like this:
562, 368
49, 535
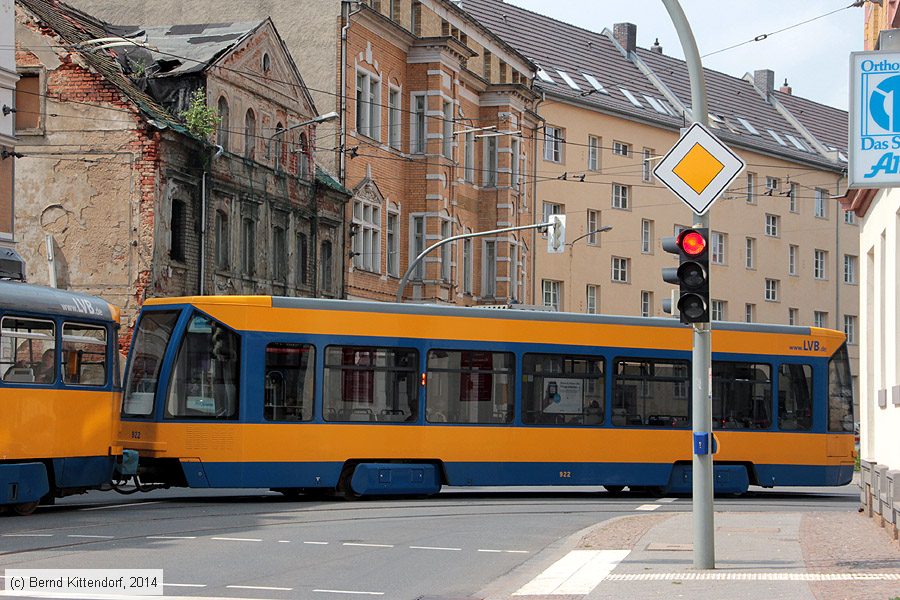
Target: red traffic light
692, 243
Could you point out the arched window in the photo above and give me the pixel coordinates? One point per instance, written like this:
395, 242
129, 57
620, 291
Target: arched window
222, 133
266, 63
304, 156
279, 145
325, 259
250, 135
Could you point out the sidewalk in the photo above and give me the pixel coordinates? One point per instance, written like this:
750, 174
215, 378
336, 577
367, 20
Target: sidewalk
764, 555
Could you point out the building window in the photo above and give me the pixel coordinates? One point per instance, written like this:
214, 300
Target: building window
772, 225
646, 236
490, 269
279, 255
593, 153
302, 259
515, 150
467, 266
793, 316
393, 244
418, 246
793, 198
513, 272
750, 258
792, 259
821, 210
749, 313
266, 62
717, 252
772, 185
819, 259
850, 328
591, 300
849, 217
368, 105
326, 257
554, 138
178, 226
620, 269
620, 195
280, 147
395, 10
717, 310
820, 318
304, 156
551, 293
751, 188
415, 19
248, 245
621, 148
470, 157
367, 236
849, 269
486, 64
593, 217
224, 123
772, 290
647, 166
447, 146
417, 137
552, 208
223, 258
446, 252
29, 103
395, 117
646, 303
490, 162
250, 135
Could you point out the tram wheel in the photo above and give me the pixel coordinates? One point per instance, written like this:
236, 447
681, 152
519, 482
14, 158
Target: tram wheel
25, 508
614, 490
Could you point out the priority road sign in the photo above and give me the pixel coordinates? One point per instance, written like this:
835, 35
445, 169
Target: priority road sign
699, 168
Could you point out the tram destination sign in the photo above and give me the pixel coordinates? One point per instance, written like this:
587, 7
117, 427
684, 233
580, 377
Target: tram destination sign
874, 140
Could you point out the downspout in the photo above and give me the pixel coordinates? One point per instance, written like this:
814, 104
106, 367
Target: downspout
534, 201
203, 232
342, 154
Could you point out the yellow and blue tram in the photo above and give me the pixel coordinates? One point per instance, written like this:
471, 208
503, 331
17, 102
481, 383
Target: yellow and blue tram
376, 398
59, 393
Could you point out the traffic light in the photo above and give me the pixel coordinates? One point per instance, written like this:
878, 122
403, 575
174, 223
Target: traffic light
556, 236
692, 274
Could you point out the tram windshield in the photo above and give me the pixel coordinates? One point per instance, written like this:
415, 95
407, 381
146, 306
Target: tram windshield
150, 342
840, 392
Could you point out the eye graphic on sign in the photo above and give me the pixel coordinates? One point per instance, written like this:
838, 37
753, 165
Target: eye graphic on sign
884, 104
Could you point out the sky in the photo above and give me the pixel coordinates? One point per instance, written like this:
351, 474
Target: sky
814, 57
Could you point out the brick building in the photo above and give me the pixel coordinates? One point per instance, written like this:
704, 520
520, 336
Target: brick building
418, 83
134, 204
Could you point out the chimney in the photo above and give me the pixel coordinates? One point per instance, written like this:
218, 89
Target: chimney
626, 35
786, 89
656, 47
764, 80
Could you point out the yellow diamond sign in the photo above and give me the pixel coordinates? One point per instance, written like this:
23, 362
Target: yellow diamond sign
699, 168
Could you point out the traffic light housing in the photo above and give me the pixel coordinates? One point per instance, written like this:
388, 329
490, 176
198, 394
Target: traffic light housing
692, 274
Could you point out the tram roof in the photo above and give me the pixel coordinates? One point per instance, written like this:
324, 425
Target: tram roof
470, 312
30, 298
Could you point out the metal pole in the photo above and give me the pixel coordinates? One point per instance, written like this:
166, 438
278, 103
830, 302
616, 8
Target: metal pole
405, 279
701, 357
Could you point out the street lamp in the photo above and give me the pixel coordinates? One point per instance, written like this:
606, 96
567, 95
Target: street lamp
320, 119
603, 229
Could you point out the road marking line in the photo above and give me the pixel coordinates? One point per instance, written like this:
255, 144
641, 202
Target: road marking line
185, 585
754, 577
126, 505
516, 551
93, 537
666, 500
434, 548
349, 592
230, 539
259, 587
26, 535
368, 545
317, 543
648, 507
480, 550
171, 537
577, 573
284, 541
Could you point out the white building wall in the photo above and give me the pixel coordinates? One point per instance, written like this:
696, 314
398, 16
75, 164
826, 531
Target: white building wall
879, 358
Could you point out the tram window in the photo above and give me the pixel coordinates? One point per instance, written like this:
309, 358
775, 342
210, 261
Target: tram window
469, 386
147, 351
651, 392
840, 392
289, 384
562, 389
28, 350
371, 384
741, 395
204, 382
84, 354
795, 397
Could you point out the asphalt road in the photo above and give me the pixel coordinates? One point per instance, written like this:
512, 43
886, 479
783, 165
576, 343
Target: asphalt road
235, 544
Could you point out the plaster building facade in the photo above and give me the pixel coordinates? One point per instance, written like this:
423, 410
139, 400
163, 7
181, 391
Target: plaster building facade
8, 80
878, 212
783, 250
137, 205
436, 137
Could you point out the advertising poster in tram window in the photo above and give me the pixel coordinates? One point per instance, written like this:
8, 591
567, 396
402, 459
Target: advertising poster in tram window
563, 395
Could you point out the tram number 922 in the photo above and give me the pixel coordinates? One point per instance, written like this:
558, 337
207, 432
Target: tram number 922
565, 474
